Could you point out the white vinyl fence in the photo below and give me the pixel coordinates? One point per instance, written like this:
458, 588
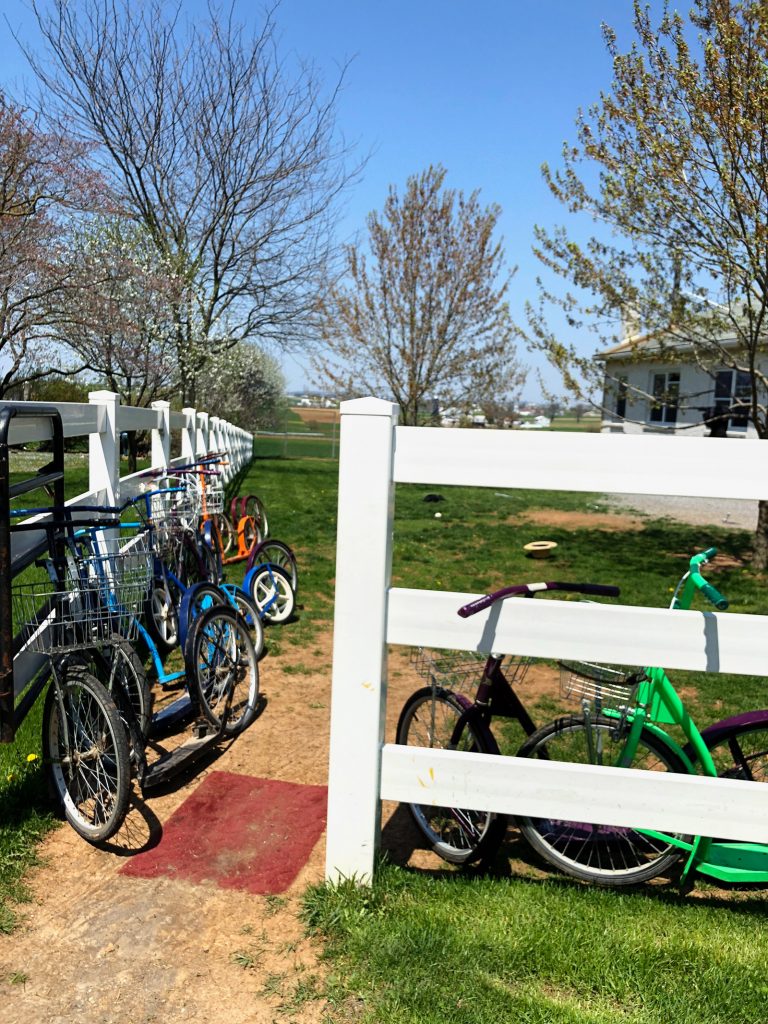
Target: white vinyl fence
375, 455
103, 419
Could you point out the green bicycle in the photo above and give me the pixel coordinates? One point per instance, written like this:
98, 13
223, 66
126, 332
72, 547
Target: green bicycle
622, 724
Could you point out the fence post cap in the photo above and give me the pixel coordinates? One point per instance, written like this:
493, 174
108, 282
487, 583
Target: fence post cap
368, 407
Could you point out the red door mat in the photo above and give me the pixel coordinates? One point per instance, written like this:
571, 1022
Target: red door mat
239, 832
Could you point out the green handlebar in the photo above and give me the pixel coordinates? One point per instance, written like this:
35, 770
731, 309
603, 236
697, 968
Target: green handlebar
714, 595
711, 593
704, 556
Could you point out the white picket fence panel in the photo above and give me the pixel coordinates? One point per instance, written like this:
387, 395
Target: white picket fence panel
103, 419
375, 455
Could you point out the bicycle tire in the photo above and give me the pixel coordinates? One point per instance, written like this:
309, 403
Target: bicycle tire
276, 552
211, 553
739, 746
195, 600
252, 505
602, 854
227, 533
223, 669
120, 670
244, 604
161, 615
271, 591
458, 835
86, 757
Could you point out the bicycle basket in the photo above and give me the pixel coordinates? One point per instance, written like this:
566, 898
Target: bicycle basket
172, 513
97, 602
606, 685
461, 670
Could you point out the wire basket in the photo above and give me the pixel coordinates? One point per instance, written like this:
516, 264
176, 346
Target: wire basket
97, 602
461, 670
606, 685
172, 513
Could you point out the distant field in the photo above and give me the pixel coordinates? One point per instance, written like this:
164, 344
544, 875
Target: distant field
316, 415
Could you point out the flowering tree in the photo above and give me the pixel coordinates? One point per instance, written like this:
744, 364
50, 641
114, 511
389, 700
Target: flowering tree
121, 324
425, 316
224, 153
244, 385
43, 180
670, 168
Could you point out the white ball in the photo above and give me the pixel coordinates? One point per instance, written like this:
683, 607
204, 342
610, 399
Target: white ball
438, 515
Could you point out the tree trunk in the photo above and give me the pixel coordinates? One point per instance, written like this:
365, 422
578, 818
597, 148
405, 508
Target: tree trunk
760, 548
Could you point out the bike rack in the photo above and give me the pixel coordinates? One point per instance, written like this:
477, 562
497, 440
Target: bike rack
51, 475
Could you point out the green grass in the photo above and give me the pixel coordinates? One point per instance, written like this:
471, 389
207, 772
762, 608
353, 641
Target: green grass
470, 949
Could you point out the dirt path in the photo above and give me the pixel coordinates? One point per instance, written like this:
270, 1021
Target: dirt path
98, 947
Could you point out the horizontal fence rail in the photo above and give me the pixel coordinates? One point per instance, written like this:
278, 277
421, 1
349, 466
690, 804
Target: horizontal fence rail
376, 455
103, 419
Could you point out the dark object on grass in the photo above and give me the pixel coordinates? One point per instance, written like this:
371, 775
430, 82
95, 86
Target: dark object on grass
433, 497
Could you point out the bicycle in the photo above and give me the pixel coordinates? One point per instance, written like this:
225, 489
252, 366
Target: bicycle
438, 716
181, 615
86, 727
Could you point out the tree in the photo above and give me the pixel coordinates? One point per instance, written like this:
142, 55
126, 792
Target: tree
42, 181
121, 323
245, 386
425, 319
672, 163
227, 157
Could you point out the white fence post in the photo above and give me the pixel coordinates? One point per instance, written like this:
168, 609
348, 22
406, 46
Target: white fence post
161, 437
201, 437
363, 565
104, 450
189, 435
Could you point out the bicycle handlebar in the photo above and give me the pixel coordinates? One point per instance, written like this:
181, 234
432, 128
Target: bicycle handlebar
711, 593
531, 589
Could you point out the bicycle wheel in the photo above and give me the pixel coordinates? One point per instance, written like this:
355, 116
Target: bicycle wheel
85, 750
120, 670
197, 599
226, 532
222, 667
739, 746
247, 608
277, 553
458, 835
161, 616
603, 854
272, 593
211, 553
253, 506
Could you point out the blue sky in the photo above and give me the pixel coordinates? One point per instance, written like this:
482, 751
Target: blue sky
489, 89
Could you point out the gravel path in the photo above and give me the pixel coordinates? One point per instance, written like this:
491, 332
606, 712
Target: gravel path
741, 515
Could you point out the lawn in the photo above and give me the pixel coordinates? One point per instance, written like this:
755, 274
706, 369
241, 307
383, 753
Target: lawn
519, 944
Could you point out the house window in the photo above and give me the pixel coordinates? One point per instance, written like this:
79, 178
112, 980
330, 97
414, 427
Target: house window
665, 390
732, 387
621, 397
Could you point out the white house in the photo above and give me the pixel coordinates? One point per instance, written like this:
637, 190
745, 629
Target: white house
645, 391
